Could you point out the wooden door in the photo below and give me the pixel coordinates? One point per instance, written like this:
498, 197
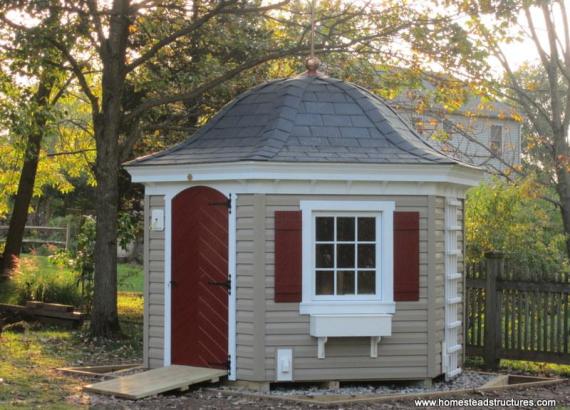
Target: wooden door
199, 278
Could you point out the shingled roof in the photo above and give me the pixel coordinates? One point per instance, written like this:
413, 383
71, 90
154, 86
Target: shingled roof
303, 119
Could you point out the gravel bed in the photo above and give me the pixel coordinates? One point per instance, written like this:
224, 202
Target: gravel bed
467, 380
204, 399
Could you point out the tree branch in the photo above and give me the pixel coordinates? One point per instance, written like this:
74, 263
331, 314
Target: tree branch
76, 68
221, 8
80, 151
94, 10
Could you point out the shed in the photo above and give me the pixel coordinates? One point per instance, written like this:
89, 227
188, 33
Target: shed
305, 233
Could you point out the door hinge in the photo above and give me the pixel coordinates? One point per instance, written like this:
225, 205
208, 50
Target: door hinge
226, 283
227, 203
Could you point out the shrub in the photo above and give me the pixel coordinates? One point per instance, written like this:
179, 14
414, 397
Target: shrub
81, 260
44, 284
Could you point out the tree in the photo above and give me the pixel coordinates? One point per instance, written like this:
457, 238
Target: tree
122, 43
504, 216
545, 102
31, 91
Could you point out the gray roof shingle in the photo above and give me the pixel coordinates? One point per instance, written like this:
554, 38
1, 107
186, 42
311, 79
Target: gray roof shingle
303, 119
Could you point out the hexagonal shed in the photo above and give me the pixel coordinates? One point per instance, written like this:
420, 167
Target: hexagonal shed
305, 233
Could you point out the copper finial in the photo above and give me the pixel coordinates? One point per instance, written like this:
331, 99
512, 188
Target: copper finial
312, 63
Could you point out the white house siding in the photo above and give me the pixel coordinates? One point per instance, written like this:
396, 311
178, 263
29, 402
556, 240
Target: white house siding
479, 127
153, 335
412, 352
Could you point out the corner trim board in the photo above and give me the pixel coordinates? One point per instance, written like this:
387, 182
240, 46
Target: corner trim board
232, 246
167, 360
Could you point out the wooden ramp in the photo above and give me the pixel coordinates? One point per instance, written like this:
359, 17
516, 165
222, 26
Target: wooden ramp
137, 386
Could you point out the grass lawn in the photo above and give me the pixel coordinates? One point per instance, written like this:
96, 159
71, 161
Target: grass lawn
28, 360
130, 277
28, 378
523, 366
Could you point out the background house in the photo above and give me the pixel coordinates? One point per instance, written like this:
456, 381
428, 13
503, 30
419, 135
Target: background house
482, 133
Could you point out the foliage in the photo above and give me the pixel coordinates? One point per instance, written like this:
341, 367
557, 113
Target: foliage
512, 218
80, 259
60, 120
539, 89
35, 279
129, 228
83, 259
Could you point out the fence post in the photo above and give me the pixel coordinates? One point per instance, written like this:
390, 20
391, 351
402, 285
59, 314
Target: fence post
67, 232
494, 262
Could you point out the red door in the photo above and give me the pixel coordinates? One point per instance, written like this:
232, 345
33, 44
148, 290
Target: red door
199, 278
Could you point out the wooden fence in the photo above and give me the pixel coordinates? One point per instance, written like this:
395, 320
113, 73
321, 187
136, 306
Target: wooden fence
56, 235
514, 313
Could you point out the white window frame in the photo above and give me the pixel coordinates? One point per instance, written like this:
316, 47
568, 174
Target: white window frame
383, 300
499, 148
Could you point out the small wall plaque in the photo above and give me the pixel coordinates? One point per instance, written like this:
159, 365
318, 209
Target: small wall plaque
157, 219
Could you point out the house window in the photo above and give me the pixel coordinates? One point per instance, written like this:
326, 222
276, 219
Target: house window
496, 140
448, 128
345, 255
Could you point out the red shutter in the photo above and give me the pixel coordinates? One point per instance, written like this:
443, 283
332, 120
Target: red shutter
406, 256
288, 256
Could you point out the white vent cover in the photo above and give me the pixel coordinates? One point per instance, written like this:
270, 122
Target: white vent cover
285, 365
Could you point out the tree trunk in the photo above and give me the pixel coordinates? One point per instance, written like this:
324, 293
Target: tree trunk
104, 318
27, 180
107, 125
563, 190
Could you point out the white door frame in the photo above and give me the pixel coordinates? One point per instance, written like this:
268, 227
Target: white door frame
168, 196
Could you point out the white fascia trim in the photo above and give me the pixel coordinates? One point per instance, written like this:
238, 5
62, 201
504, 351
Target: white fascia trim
279, 171
308, 187
384, 302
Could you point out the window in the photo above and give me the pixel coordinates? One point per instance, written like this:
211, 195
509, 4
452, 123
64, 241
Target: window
345, 255
448, 128
496, 140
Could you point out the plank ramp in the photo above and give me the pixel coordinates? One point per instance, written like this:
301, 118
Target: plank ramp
155, 381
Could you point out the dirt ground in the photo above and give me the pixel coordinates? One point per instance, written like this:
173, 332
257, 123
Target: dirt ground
200, 398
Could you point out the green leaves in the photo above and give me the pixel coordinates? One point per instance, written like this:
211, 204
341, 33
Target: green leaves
514, 219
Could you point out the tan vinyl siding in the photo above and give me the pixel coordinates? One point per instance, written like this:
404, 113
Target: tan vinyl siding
153, 335
245, 268
404, 355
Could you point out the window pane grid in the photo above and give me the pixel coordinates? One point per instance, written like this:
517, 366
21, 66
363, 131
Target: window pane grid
345, 279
